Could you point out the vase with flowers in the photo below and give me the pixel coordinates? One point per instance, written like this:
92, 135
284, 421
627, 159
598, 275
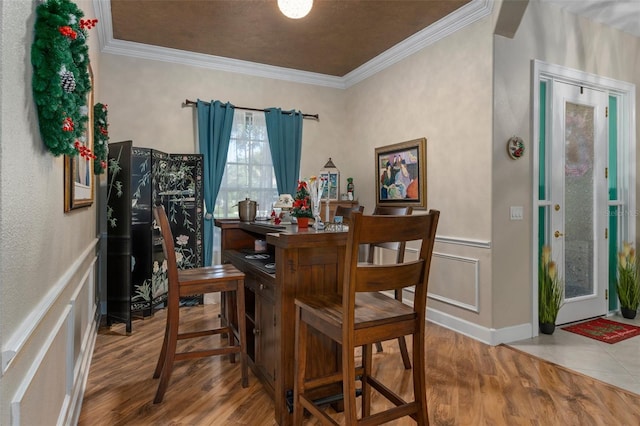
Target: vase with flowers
628, 283
302, 209
550, 292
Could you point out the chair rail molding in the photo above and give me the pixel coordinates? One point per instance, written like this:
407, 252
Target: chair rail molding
483, 244
22, 334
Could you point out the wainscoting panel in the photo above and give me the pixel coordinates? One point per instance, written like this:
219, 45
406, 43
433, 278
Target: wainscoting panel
82, 309
43, 390
455, 280
86, 319
50, 363
27, 329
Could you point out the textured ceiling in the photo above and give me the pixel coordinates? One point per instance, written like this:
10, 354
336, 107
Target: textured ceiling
335, 38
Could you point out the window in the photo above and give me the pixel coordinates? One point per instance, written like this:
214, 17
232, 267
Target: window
248, 173
249, 170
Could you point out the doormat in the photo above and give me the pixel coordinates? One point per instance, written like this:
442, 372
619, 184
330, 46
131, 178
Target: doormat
604, 330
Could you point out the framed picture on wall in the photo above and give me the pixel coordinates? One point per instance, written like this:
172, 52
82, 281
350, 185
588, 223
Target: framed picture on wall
331, 186
78, 169
401, 174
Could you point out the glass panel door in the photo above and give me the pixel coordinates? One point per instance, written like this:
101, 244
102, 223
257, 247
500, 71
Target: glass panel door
579, 207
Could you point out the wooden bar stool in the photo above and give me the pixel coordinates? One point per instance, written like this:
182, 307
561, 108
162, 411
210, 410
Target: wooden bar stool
362, 316
189, 282
399, 247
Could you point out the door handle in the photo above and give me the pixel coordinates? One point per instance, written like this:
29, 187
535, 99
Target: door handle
558, 234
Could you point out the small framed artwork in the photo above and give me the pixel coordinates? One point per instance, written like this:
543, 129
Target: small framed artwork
331, 188
78, 169
401, 174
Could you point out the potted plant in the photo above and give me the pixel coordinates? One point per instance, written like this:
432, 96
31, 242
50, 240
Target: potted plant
628, 284
550, 295
302, 209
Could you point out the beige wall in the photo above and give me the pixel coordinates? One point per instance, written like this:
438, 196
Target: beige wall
437, 94
47, 257
551, 35
442, 93
145, 105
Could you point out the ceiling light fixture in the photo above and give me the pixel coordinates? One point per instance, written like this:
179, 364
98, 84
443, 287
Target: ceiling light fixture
295, 9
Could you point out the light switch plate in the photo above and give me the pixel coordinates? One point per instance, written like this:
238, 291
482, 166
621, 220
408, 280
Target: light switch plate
516, 212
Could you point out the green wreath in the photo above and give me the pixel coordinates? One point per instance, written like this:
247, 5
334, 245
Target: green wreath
61, 82
100, 138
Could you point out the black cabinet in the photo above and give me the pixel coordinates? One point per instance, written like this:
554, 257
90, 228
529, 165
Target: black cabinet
136, 269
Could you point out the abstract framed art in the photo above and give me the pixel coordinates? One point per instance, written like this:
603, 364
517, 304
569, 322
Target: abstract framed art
401, 174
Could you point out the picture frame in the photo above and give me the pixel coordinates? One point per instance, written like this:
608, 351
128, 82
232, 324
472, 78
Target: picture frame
78, 171
331, 190
401, 178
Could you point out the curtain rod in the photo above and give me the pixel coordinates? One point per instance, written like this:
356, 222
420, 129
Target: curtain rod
187, 102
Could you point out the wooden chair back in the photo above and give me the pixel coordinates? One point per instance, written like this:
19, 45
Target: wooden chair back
168, 248
346, 212
367, 277
399, 247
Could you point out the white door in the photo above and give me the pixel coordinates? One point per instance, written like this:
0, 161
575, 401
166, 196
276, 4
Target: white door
579, 208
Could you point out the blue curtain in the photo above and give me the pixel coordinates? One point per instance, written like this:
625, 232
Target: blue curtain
214, 130
284, 129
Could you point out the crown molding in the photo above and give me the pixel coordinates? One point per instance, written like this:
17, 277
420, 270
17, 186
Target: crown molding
466, 15
455, 21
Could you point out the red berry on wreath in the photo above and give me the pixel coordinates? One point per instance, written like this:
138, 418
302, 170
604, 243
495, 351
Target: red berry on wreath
67, 125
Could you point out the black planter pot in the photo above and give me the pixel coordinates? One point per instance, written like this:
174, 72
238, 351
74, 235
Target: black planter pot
628, 313
547, 327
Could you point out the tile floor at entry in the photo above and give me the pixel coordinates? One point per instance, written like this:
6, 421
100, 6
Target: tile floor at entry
617, 364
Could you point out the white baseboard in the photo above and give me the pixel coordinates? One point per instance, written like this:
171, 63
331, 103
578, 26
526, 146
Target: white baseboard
490, 336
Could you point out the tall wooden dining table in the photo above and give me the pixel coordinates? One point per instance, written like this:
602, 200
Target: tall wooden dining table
306, 262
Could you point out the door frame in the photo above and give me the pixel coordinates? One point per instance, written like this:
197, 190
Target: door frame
626, 153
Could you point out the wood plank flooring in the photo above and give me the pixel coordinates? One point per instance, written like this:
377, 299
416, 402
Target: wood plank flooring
469, 383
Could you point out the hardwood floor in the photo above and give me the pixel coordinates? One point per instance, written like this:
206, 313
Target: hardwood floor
469, 383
